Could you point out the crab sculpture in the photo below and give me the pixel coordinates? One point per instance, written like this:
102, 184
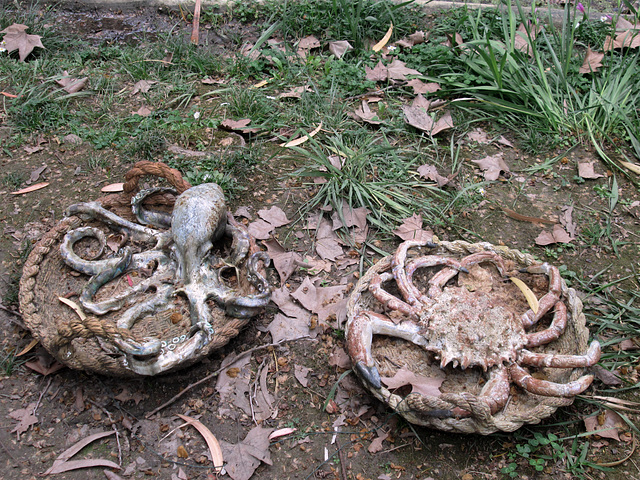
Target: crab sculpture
468, 329
180, 261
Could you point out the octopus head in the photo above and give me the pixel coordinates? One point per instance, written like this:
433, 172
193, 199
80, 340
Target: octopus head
198, 220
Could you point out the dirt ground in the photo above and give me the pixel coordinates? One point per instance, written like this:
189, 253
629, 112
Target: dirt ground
70, 405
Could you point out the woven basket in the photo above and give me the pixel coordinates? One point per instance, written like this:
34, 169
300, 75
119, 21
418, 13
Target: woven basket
89, 343
461, 388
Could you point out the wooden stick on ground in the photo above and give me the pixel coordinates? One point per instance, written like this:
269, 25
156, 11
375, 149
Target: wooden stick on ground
195, 32
215, 374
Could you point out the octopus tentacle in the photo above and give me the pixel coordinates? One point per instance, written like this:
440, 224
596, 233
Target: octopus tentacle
163, 272
149, 217
96, 211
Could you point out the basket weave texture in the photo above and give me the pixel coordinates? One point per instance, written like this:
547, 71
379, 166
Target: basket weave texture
88, 344
461, 388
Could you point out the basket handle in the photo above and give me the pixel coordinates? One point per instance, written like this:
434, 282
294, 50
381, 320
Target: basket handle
158, 169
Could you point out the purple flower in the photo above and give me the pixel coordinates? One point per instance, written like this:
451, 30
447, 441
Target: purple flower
580, 7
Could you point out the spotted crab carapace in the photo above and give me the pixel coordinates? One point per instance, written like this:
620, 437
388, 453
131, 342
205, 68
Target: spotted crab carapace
468, 328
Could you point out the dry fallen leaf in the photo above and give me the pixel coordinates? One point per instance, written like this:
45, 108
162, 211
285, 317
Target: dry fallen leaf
381, 44
430, 172
607, 425
592, 61
143, 111
420, 87
243, 458
301, 140
26, 417
16, 38
32, 188
72, 85
532, 300
585, 170
142, 86
64, 464
212, 442
284, 262
429, 386
114, 187
411, 229
365, 114
376, 445
274, 216
492, 165
634, 167
558, 235
626, 39
339, 48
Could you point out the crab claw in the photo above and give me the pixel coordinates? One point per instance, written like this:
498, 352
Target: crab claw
370, 374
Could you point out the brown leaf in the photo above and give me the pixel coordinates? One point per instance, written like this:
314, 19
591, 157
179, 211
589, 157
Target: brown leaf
284, 262
32, 188
592, 61
339, 48
113, 187
492, 165
212, 442
322, 301
243, 458
327, 242
585, 170
413, 39
306, 44
626, 39
365, 114
26, 417
418, 117
64, 464
478, 135
143, 111
607, 377
353, 217
260, 229
295, 92
376, 445
420, 87
411, 229
445, 122
378, 73
429, 386
42, 369
72, 85
398, 71
142, 86
235, 124
293, 322
16, 38
558, 235
301, 373
339, 358
275, 216
431, 173
233, 385
608, 421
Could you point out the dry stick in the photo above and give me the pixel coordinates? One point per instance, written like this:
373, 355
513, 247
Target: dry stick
195, 32
215, 374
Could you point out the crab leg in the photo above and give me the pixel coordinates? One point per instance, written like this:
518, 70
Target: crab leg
562, 361
360, 334
438, 281
549, 299
496, 390
558, 324
388, 300
549, 389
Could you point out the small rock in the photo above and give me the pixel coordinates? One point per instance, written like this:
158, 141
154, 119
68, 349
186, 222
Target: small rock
72, 139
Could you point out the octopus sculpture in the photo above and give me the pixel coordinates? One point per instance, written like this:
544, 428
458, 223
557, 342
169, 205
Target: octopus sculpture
468, 328
181, 261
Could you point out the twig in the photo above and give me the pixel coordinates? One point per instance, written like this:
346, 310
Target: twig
42, 395
343, 467
113, 425
621, 461
6, 309
195, 32
215, 374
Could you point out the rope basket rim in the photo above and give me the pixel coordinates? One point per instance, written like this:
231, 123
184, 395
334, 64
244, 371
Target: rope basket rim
481, 420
